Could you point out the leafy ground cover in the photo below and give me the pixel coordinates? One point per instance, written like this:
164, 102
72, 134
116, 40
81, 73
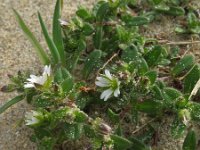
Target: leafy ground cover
151, 79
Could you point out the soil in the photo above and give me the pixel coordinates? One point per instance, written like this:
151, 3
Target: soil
16, 53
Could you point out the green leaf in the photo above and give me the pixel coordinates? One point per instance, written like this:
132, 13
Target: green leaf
195, 111
57, 32
142, 66
190, 142
192, 20
171, 94
138, 145
81, 117
173, 10
180, 30
121, 143
83, 13
157, 92
137, 21
75, 58
162, 8
101, 12
72, 131
61, 74
54, 51
176, 11
156, 2
185, 63
191, 79
88, 29
92, 62
67, 85
40, 133
89, 131
130, 54
151, 75
113, 116
11, 102
177, 128
150, 107
40, 51
46, 143
42, 102
97, 39
152, 57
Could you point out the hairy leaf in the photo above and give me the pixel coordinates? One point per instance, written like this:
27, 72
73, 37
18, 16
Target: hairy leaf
54, 51
11, 102
40, 51
57, 32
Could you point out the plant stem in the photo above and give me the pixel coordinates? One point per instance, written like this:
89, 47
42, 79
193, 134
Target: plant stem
177, 43
152, 120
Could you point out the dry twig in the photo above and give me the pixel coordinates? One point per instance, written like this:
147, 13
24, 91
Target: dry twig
177, 43
144, 125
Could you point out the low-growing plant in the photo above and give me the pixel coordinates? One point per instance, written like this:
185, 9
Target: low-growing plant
192, 24
102, 76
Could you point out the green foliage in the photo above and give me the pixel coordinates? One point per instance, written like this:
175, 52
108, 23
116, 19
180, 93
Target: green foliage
135, 21
92, 62
185, 63
40, 51
57, 32
177, 128
190, 141
52, 47
142, 76
193, 74
11, 102
192, 26
120, 142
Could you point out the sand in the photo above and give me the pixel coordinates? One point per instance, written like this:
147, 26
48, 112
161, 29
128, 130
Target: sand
16, 53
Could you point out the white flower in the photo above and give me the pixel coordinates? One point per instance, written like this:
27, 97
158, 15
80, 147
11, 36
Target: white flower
110, 83
38, 80
33, 118
63, 23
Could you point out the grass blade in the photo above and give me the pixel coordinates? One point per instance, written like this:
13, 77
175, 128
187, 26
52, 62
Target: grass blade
41, 53
57, 32
54, 51
11, 102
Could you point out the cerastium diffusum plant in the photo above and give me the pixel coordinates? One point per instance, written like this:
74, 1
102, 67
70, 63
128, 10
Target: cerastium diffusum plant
102, 75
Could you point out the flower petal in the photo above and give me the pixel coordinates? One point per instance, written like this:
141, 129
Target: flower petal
29, 85
101, 84
103, 80
32, 78
106, 94
116, 92
107, 73
47, 70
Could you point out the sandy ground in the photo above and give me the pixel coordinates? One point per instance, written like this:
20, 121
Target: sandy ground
16, 53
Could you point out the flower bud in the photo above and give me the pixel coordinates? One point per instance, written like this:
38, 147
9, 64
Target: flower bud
34, 118
105, 129
184, 114
101, 127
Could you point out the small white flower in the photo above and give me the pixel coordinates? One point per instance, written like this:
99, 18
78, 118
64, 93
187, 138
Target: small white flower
33, 118
39, 80
110, 83
63, 23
